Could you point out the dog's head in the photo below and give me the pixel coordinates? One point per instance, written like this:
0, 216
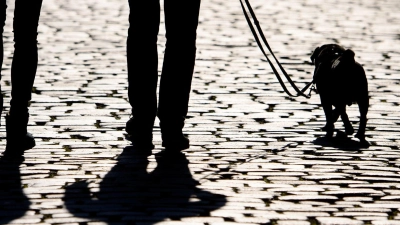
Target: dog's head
326, 52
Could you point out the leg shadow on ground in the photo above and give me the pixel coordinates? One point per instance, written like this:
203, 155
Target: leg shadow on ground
341, 141
128, 193
13, 202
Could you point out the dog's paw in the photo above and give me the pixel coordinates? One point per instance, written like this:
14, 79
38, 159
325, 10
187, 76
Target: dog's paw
328, 127
349, 130
340, 135
365, 143
361, 137
329, 134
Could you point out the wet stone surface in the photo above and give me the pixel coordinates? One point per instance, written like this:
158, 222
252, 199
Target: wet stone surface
256, 155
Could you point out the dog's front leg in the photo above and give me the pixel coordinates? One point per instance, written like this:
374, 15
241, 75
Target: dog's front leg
327, 106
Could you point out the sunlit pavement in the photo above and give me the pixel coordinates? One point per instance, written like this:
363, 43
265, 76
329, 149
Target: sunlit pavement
256, 155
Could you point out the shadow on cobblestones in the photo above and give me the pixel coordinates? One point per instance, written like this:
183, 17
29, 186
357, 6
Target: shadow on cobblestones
341, 141
128, 193
13, 202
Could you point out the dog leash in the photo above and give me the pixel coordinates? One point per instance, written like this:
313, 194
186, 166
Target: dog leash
278, 76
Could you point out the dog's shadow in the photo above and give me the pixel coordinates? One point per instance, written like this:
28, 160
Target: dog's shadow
341, 141
130, 194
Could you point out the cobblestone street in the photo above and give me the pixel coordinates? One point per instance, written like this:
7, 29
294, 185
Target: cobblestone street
256, 155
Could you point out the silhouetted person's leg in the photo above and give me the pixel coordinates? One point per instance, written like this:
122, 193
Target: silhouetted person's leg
181, 20
3, 8
23, 71
144, 20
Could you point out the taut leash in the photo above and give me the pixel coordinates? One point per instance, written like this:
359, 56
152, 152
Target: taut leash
257, 38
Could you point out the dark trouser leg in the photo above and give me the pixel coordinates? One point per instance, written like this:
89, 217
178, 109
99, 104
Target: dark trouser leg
181, 20
142, 57
23, 72
3, 8
24, 65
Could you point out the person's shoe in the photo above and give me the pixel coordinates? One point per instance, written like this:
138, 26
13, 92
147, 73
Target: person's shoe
130, 126
18, 138
168, 154
140, 138
172, 136
138, 143
177, 142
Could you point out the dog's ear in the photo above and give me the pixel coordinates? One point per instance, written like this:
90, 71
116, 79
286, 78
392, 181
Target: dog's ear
348, 56
349, 53
315, 54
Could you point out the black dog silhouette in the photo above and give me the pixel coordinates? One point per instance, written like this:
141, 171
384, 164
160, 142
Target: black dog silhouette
340, 81
130, 194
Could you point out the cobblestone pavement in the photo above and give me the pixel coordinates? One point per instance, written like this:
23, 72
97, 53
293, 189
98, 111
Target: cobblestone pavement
256, 156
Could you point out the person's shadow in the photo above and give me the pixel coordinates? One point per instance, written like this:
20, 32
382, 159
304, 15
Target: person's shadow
128, 193
13, 202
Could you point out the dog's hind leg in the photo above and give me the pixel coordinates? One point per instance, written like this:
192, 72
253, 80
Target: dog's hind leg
363, 107
335, 115
341, 110
347, 124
